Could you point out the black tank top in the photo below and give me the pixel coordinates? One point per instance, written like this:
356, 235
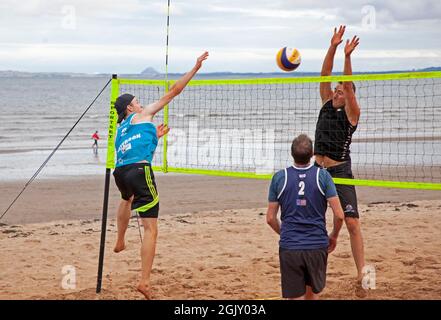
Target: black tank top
333, 134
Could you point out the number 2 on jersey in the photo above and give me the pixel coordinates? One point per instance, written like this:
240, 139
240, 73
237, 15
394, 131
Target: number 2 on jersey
302, 188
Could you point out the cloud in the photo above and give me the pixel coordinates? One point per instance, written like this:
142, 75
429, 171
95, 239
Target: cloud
130, 35
134, 58
276, 13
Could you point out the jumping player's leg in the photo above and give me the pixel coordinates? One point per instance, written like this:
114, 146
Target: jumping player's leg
354, 229
148, 249
348, 199
140, 182
123, 219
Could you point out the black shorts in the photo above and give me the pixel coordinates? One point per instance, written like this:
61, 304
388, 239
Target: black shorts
301, 268
138, 180
347, 194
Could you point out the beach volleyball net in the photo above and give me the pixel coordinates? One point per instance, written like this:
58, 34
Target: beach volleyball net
244, 128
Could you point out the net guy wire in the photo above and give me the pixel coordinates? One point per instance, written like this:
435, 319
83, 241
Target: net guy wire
54, 150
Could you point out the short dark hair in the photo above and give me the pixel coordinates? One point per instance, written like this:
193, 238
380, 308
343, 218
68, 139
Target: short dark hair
302, 150
353, 85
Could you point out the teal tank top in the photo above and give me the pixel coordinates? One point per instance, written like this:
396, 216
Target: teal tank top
135, 142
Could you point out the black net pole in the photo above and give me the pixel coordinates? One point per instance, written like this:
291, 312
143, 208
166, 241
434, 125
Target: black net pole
103, 232
106, 197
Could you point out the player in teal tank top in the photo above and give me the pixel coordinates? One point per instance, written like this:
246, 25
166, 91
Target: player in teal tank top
135, 143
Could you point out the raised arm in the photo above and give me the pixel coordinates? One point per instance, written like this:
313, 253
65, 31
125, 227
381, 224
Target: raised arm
149, 111
328, 64
351, 105
334, 202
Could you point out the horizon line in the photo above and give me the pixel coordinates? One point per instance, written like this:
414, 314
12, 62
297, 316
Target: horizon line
203, 73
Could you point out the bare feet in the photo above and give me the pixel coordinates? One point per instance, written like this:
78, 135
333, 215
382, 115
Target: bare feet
119, 247
360, 292
145, 290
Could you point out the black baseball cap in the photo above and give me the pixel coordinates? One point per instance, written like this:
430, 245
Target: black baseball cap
121, 105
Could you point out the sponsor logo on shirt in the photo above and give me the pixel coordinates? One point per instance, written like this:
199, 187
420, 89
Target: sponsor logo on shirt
125, 147
126, 144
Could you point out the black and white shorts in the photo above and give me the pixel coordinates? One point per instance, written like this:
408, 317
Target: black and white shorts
138, 180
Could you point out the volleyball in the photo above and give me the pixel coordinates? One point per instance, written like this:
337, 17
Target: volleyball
288, 59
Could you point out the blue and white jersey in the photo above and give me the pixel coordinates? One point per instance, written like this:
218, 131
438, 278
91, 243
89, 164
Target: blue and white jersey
135, 142
302, 194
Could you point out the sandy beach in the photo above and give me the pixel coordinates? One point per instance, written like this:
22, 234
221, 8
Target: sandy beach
213, 242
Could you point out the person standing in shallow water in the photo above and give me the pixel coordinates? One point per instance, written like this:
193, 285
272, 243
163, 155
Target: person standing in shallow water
95, 138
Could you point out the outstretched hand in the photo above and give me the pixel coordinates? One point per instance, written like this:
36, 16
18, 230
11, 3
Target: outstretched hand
337, 38
162, 130
350, 46
201, 59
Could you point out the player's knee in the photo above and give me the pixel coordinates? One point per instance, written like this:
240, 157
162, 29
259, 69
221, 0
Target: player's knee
154, 233
353, 226
126, 204
151, 229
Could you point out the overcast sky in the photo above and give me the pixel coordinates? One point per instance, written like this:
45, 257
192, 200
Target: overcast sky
116, 36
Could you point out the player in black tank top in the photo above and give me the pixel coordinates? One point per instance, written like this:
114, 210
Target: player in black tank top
337, 122
333, 135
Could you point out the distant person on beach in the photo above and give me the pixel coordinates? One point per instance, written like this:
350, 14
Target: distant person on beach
95, 138
302, 192
135, 144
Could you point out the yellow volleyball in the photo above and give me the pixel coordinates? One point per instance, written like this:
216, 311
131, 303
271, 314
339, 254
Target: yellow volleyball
288, 59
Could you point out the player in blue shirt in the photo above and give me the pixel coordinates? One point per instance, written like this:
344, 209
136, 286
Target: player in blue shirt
135, 144
302, 192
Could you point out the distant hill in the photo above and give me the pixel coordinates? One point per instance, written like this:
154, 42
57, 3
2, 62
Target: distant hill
20, 74
151, 73
431, 69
